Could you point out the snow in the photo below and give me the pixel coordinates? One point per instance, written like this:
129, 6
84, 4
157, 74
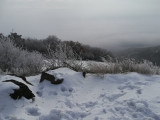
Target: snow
130, 96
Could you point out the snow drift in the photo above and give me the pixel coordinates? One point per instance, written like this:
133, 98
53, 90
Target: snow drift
129, 96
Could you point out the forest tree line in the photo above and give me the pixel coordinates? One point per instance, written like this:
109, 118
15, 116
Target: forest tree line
85, 52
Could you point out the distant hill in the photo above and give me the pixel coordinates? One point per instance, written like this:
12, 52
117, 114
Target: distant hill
149, 53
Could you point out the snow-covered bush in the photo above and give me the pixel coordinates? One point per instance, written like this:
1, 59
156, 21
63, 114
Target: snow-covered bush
28, 63
18, 61
76, 65
123, 66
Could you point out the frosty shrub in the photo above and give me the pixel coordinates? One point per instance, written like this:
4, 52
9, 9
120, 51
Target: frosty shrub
76, 65
123, 66
62, 56
18, 61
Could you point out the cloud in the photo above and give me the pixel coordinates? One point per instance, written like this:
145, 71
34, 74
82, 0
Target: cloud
101, 21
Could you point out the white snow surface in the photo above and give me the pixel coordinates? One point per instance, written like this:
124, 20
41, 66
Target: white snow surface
130, 96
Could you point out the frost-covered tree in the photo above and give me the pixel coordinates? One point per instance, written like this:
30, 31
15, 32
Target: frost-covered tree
61, 54
16, 60
17, 40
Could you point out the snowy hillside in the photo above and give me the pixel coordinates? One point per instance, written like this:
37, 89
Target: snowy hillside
129, 96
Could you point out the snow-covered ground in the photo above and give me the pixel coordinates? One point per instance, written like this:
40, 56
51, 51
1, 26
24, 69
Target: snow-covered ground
129, 96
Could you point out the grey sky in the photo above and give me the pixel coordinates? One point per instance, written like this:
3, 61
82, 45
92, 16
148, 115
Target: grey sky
96, 22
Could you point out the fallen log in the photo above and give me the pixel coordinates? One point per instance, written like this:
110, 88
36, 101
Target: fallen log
22, 77
23, 90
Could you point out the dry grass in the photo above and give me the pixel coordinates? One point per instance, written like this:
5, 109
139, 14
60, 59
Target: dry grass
124, 66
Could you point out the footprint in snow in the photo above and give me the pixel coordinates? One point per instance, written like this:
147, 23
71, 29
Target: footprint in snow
33, 111
39, 93
69, 103
90, 104
52, 93
96, 118
11, 118
141, 83
64, 115
64, 89
70, 89
139, 91
129, 87
114, 97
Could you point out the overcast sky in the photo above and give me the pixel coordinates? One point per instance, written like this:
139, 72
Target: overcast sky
96, 22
